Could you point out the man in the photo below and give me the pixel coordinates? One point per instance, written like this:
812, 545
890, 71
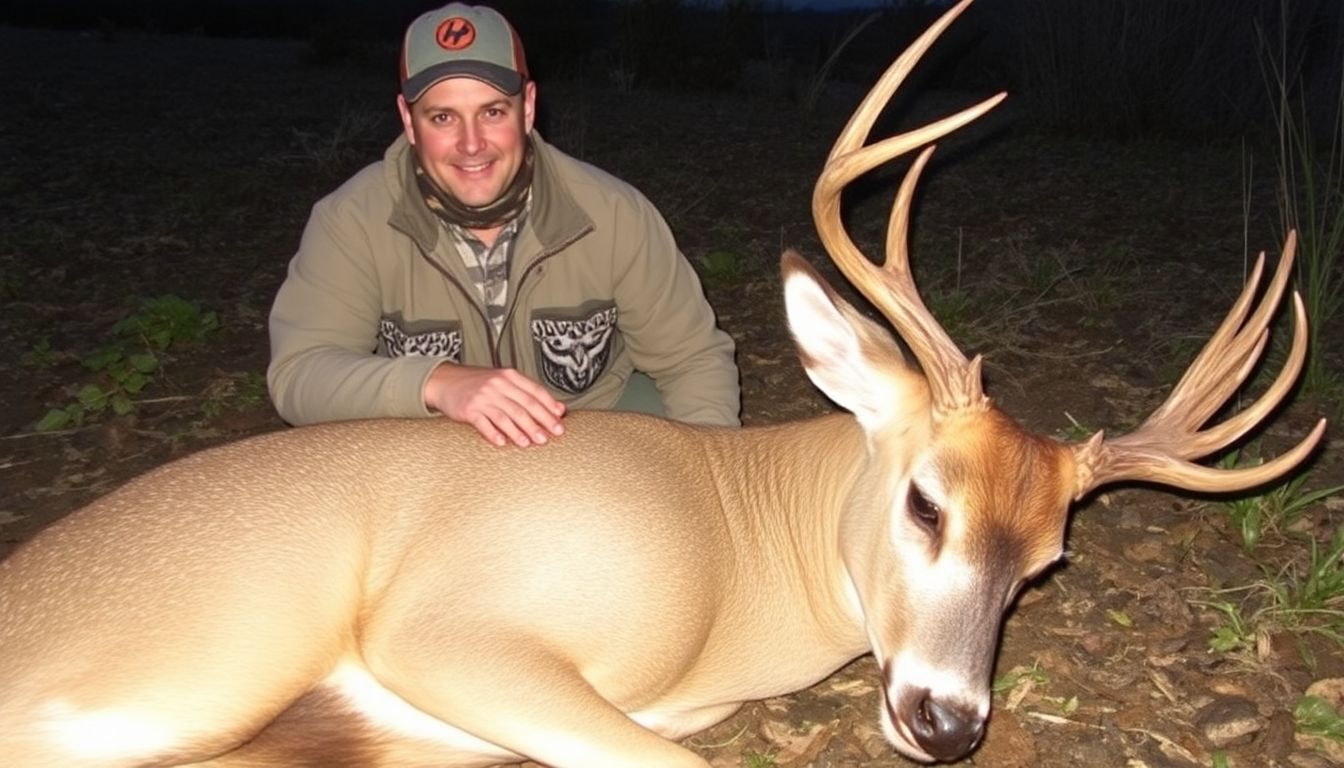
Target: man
479, 273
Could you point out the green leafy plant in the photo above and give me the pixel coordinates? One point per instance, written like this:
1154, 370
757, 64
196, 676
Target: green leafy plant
753, 759
1076, 431
1316, 589
955, 309
1300, 598
1315, 716
128, 363
1234, 633
1274, 510
1019, 675
235, 391
722, 267
41, 355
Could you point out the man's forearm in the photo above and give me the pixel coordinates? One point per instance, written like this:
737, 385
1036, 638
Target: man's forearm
328, 384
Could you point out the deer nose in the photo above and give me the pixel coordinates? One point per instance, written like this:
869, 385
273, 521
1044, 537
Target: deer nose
946, 730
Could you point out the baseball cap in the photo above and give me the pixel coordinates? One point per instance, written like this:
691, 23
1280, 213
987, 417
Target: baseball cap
460, 40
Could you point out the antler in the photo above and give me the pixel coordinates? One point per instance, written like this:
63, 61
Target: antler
1160, 449
953, 381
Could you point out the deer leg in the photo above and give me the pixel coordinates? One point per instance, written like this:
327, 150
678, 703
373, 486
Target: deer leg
524, 698
352, 722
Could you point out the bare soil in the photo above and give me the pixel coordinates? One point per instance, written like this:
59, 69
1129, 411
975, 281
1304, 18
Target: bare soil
1091, 272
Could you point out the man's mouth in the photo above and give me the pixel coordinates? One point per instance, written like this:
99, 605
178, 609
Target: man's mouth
476, 168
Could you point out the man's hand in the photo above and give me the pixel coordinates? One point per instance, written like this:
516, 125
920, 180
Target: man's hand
501, 403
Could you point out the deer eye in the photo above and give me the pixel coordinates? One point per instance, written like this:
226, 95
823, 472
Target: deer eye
925, 512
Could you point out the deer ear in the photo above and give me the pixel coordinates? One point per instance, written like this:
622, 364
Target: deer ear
852, 359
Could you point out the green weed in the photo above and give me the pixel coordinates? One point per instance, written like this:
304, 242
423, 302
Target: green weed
1316, 590
1315, 716
955, 310
238, 391
41, 355
753, 759
128, 363
1076, 431
1235, 633
1300, 598
1311, 198
1020, 675
1272, 511
722, 268
816, 84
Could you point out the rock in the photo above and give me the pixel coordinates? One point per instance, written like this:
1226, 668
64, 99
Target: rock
1229, 721
1148, 551
1276, 743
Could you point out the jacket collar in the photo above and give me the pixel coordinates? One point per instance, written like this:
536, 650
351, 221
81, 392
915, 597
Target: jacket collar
556, 218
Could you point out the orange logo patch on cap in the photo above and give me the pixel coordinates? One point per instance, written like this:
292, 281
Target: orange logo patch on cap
455, 33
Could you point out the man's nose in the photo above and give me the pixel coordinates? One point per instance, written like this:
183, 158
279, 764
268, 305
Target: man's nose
470, 140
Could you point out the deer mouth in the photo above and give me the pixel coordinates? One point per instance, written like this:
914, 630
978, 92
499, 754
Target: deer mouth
931, 723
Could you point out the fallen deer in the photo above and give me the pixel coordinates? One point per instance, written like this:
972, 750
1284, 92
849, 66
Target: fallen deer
388, 593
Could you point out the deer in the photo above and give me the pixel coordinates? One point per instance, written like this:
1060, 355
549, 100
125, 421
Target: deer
398, 593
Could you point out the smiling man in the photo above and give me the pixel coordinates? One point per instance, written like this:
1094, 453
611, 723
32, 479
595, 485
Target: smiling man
479, 273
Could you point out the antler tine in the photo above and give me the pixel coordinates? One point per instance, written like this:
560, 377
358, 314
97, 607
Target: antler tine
1161, 448
1217, 364
891, 288
1221, 367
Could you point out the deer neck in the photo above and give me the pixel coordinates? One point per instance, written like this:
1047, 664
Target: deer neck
783, 489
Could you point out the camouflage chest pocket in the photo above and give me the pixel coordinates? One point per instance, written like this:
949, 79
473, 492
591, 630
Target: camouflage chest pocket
574, 346
433, 339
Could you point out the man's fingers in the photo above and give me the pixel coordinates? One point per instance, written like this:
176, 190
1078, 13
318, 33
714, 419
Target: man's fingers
516, 418
487, 429
545, 410
502, 405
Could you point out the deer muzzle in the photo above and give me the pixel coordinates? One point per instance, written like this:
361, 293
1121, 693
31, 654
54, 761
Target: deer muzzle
942, 728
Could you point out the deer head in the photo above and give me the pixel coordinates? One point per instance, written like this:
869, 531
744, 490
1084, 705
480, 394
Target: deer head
957, 505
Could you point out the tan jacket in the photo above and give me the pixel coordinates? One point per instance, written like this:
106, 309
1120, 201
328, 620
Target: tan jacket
378, 295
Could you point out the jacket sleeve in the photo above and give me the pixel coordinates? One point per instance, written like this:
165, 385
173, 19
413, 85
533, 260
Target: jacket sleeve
669, 327
323, 329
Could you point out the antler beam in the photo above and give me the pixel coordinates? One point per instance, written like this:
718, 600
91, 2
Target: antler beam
1161, 448
954, 382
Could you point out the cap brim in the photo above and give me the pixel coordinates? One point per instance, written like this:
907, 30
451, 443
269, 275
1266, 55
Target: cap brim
505, 80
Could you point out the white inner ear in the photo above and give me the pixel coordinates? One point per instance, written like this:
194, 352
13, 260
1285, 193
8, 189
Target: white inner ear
833, 353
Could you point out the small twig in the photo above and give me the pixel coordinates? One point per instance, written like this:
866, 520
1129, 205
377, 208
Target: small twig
724, 743
1154, 735
166, 399
51, 433
1166, 743
1069, 356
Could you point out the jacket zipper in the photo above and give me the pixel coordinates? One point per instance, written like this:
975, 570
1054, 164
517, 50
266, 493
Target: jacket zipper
495, 352
471, 301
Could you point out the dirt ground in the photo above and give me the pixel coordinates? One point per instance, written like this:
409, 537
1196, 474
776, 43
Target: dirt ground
1087, 273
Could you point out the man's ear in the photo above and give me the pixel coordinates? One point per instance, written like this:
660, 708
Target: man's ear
407, 125
529, 105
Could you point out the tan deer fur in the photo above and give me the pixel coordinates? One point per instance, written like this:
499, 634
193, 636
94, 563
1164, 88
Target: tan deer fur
398, 593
